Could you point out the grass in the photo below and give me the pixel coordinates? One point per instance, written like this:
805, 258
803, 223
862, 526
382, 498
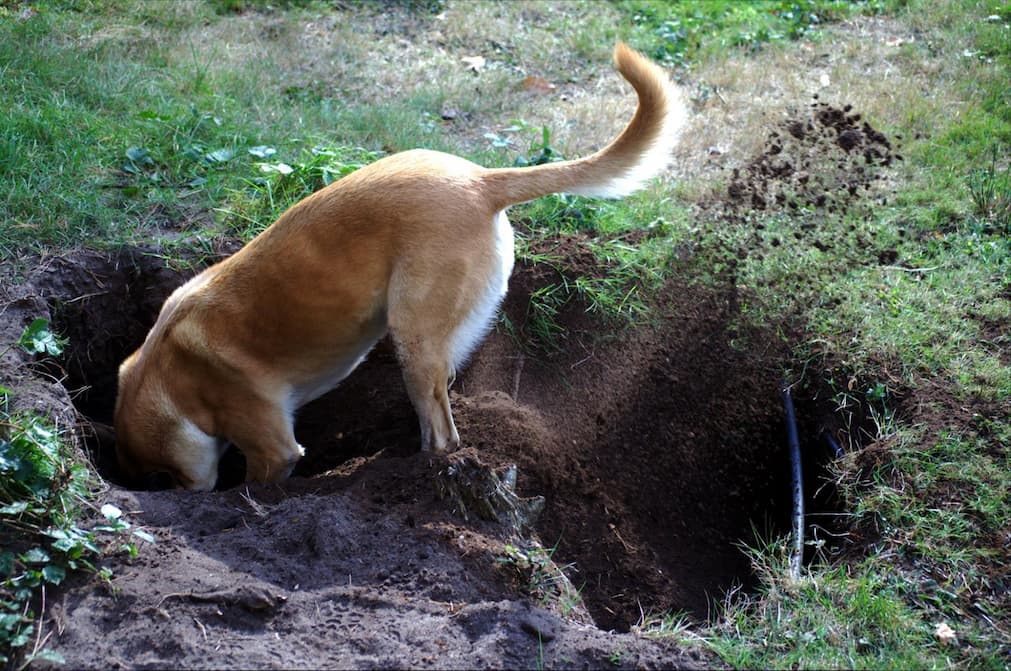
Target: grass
184, 121
541, 577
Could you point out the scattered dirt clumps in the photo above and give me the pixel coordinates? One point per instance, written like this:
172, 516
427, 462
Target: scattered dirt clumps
825, 157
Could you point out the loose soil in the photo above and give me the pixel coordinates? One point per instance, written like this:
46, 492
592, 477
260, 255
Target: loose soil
657, 451
654, 453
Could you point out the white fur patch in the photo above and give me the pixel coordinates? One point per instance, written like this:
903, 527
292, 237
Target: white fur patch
200, 452
472, 330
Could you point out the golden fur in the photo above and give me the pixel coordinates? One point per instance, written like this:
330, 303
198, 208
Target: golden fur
416, 245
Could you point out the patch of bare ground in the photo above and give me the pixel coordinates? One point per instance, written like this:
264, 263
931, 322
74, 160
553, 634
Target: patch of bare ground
360, 544
864, 62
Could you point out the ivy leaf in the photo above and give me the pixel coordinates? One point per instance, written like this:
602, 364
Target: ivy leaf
38, 339
54, 574
35, 556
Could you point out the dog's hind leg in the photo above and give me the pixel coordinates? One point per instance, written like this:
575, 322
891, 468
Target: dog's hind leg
421, 328
438, 313
426, 376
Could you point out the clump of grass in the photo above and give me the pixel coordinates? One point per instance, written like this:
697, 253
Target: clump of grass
990, 189
544, 580
617, 289
845, 616
602, 272
681, 32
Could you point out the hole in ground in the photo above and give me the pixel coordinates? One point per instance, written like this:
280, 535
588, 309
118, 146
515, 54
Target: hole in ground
659, 453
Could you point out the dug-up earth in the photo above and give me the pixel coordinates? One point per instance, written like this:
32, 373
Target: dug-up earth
598, 486
652, 456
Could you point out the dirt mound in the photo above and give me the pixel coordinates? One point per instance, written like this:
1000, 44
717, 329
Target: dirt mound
825, 158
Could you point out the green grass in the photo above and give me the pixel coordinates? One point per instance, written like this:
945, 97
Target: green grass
679, 33
178, 122
932, 508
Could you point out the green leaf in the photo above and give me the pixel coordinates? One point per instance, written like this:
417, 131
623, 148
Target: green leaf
8, 460
219, 156
66, 545
143, 535
282, 168
262, 151
15, 508
54, 574
35, 556
9, 621
38, 339
21, 638
138, 155
48, 656
6, 563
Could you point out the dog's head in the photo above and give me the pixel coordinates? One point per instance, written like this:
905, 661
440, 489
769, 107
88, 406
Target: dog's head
156, 445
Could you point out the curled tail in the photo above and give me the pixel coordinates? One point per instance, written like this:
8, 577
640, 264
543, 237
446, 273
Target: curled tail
641, 151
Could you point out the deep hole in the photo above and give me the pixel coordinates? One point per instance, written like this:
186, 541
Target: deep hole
657, 456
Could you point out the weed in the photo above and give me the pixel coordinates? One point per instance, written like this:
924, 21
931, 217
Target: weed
990, 189
542, 577
540, 147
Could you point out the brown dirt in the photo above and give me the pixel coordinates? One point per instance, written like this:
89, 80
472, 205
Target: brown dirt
655, 452
824, 157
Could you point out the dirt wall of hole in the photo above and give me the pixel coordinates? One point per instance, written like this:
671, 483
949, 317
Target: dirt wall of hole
659, 451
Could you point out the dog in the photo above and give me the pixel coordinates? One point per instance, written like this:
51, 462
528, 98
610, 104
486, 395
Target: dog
416, 245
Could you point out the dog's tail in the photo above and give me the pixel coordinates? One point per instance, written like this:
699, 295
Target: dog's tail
641, 151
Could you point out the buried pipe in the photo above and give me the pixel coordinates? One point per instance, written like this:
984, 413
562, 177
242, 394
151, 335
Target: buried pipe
833, 444
798, 484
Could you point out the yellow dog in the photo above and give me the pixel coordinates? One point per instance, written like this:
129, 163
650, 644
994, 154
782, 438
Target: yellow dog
416, 245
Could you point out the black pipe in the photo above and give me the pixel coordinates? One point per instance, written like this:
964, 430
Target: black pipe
833, 444
798, 484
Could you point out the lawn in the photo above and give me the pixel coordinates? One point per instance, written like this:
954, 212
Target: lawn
881, 277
